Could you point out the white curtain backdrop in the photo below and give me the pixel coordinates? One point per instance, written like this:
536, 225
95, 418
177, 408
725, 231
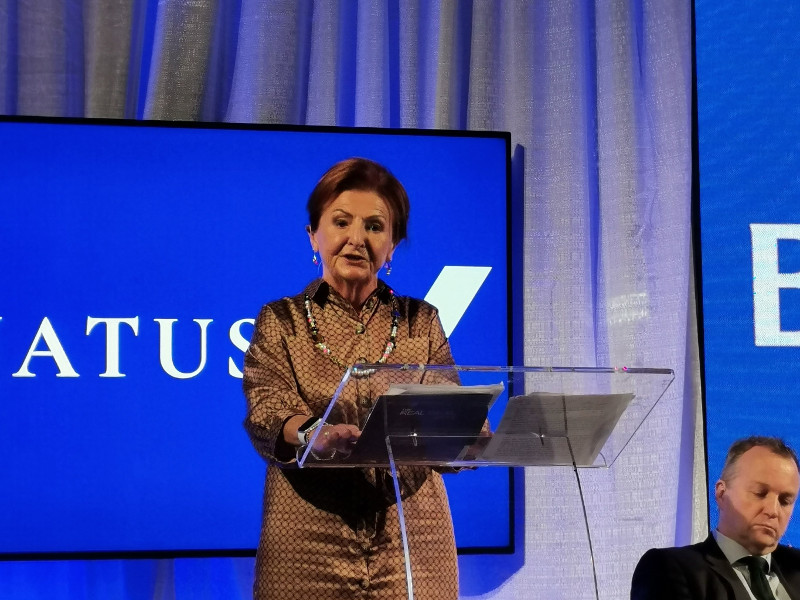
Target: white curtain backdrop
597, 97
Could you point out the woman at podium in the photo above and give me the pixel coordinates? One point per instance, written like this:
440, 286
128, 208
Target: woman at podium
331, 533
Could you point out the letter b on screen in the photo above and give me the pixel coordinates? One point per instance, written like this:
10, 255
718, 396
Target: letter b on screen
768, 281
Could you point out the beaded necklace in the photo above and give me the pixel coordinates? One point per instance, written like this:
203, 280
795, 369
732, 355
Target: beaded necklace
319, 341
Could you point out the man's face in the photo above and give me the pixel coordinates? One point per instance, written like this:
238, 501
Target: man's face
756, 502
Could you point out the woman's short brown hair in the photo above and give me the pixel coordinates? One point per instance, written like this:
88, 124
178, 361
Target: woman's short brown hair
364, 175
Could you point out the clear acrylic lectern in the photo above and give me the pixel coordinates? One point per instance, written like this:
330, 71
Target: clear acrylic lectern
471, 416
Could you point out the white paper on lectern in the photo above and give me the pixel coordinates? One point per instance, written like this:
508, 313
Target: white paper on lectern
439, 416
535, 427
438, 389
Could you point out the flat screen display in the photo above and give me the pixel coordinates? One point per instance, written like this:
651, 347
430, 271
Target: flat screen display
134, 257
749, 142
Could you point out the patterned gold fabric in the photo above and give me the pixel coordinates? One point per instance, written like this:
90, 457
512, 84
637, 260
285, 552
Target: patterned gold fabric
334, 533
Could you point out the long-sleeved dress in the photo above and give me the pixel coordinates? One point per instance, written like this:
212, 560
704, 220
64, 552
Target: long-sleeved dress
333, 533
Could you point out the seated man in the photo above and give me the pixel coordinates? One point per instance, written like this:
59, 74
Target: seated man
755, 494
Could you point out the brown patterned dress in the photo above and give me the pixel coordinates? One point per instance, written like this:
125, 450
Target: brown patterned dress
333, 533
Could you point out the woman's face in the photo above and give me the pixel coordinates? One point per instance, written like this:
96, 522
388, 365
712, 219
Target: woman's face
354, 239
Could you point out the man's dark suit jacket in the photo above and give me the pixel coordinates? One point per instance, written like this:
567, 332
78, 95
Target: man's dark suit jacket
701, 572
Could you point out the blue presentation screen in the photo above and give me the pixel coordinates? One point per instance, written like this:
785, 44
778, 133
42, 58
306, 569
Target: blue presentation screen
749, 141
133, 260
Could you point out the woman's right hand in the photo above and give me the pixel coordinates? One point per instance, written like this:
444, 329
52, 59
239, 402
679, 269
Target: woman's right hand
333, 439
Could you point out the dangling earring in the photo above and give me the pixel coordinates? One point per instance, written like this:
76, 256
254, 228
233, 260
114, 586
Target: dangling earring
314, 259
388, 266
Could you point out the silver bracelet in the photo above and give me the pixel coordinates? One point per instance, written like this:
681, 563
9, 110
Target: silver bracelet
301, 450
319, 456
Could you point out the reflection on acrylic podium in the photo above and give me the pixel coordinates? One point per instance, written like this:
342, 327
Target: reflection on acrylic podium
439, 416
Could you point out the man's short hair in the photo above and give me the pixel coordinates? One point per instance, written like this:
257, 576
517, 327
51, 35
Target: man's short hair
739, 447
